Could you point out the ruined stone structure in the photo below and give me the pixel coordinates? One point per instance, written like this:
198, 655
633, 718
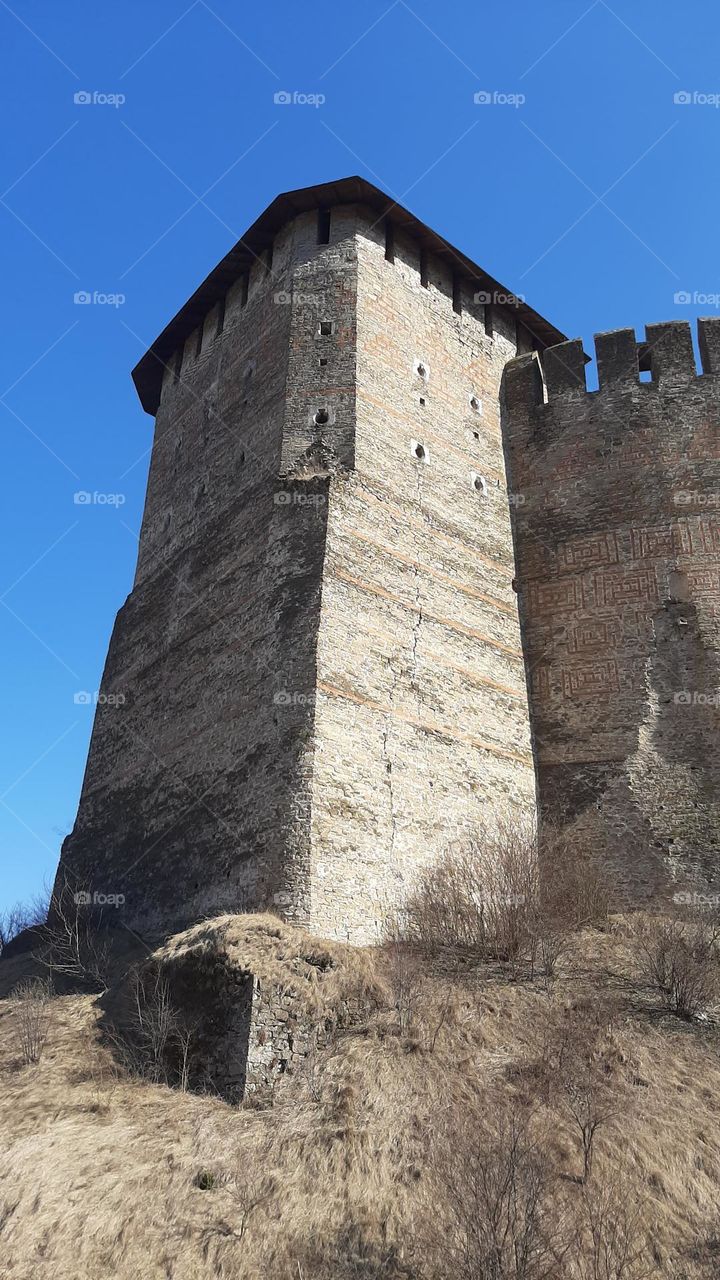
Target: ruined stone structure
617, 537
320, 659
320, 664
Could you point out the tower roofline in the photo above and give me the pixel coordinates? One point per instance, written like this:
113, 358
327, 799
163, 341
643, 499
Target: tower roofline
148, 373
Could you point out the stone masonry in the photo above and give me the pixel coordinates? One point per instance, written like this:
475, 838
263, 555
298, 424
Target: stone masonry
617, 542
320, 658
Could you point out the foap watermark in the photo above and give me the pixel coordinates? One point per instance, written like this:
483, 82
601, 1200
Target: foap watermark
84, 898
696, 98
283, 299
282, 898
84, 298
293, 698
696, 298
705, 901
84, 498
93, 698
297, 98
688, 498
294, 498
498, 98
696, 698
498, 900
96, 98
496, 298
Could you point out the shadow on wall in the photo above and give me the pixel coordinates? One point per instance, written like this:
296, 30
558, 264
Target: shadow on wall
677, 748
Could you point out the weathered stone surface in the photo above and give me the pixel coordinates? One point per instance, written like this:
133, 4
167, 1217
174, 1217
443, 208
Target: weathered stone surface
420, 728
617, 540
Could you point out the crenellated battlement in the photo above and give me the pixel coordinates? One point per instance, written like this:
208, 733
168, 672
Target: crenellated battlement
666, 354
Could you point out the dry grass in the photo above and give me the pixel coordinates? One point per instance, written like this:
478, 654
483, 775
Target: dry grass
103, 1175
322, 974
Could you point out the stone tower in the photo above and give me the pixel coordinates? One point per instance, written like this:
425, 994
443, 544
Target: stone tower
320, 658
617, 535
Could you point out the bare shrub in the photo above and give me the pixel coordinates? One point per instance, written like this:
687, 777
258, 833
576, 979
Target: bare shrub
548, 942
351, 1255
590, 1106
23, 915
154, 1041
479, 896
249, 1195
509, 893
490, 1186
574, 886
32, 1003
74, 942
583, 1076
612, 1243
404, 978
678, 959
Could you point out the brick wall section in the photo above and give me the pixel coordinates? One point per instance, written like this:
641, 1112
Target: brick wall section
421, 727
617, 536
257, 996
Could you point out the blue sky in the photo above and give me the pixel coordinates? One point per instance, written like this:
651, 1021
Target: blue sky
596, 198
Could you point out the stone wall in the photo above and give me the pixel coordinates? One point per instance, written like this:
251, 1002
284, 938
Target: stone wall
617, 536
193, 799
245, 1034
421, 728
252, 998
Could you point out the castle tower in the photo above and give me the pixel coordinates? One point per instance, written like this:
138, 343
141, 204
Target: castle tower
320, 658
617, 536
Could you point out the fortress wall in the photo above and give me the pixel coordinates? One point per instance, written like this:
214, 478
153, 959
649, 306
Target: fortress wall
193, 799
617, 536
421, 721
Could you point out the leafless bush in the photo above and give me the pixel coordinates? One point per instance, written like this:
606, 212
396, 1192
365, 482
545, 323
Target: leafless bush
479, 896
154, 1041
491, 1190
404, 978
548, 942
23, 915
508, 894
612, 1243
590, 1107
679, 961
73, 941
249, 1196
584, 1079
350, 1255
32, 1004
574, 886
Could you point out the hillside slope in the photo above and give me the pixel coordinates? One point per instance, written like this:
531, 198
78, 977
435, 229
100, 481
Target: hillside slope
351, 1171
